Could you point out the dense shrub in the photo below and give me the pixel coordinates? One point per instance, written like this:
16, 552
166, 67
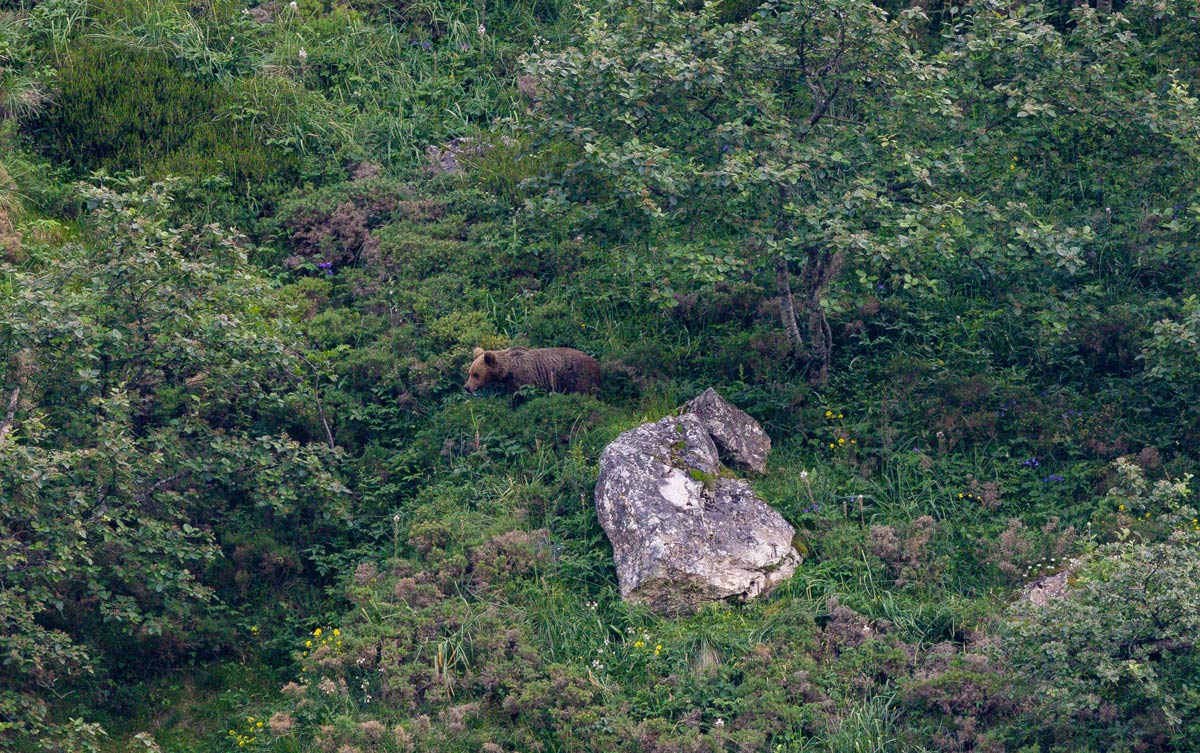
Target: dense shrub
118, 108
1112, 664
149, 395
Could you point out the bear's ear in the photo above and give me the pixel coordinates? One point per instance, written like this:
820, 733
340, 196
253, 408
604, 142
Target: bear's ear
489, 358
478, 352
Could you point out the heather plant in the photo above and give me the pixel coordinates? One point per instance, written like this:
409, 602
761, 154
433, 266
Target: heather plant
121, 108
1021, 552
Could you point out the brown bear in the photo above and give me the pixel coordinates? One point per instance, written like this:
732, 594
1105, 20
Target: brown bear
553, 369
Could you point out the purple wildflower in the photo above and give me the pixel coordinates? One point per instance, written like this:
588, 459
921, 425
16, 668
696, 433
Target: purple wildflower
1053, 478
1031, 463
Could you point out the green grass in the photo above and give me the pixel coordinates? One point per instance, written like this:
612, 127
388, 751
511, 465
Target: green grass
908, 475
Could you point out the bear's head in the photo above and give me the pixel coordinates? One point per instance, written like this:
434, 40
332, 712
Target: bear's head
485, 369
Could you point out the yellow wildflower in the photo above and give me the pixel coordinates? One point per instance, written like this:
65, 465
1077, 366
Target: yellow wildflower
317, 631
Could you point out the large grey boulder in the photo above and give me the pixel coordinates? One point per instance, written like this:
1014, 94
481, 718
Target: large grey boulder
683, 530
736, 434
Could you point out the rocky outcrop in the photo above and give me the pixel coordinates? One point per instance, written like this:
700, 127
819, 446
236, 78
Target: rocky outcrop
446, 159
1050, 587
1046, 589
683, 529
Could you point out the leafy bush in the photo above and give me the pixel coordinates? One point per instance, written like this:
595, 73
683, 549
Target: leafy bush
1112, 665
147, 393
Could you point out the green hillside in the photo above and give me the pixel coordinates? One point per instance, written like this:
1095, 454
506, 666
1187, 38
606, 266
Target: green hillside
947, 254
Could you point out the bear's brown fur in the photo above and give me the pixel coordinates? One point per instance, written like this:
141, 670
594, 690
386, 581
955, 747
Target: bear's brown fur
553, 369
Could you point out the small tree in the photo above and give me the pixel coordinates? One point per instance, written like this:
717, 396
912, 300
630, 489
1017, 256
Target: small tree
768, 142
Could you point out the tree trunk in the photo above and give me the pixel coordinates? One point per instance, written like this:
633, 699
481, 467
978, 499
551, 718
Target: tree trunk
820, 267
787, 306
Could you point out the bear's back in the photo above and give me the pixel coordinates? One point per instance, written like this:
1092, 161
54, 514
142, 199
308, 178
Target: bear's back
553, 369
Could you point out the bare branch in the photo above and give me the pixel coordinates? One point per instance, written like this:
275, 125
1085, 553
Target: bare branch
819, 111
7, 426
158, 485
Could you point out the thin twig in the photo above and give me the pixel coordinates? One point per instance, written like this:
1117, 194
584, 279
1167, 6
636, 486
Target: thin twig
324, 423
158, 485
